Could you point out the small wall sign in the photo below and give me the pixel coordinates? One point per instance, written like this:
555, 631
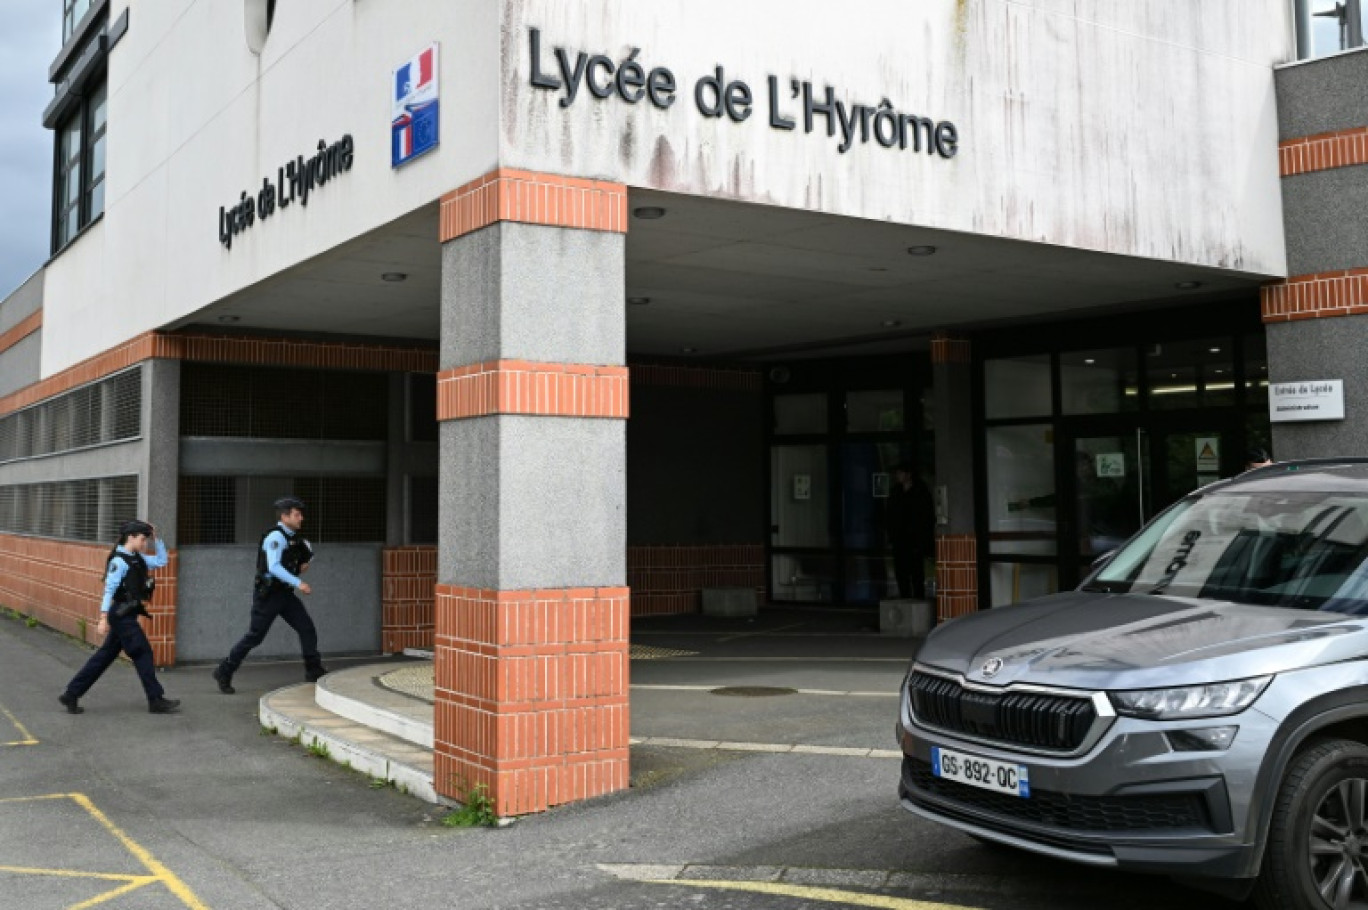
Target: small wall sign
414, 118
1319, 399
1208, 452
802, 486
1111, 464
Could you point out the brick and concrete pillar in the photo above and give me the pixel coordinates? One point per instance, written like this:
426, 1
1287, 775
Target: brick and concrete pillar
531, 603
956, 541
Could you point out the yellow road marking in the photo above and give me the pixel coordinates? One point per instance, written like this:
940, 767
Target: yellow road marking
73, 873
160, 874
28, 739
829, 895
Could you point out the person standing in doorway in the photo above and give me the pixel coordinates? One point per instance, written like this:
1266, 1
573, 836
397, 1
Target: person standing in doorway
282, 557
911, 530
1257, 458
128, 586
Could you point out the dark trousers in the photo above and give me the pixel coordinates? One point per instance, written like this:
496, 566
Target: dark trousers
909, 568
126, 636
284, 603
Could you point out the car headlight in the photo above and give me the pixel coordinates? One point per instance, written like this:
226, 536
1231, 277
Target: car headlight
1190, 702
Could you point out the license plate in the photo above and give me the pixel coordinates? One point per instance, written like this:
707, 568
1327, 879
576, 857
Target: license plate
1001, 777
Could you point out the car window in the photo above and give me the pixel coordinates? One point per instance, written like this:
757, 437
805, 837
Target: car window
1302, 550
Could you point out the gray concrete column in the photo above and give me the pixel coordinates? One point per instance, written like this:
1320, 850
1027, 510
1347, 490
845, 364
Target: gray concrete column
531, 598
159, 480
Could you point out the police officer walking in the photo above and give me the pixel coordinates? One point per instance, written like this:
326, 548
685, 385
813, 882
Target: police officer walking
128, 586
282, 557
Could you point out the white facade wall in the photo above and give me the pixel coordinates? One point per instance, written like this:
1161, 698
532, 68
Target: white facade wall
195, 118
1145, 128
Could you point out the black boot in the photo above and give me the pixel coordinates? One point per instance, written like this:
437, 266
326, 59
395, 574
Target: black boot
70, 700
224, 680
163, 706
315, 673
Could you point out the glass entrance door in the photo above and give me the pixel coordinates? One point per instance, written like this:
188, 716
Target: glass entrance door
1119, 474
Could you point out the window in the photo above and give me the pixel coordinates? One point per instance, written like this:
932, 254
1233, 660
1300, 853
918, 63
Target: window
80, 167
73, 12
1329, 26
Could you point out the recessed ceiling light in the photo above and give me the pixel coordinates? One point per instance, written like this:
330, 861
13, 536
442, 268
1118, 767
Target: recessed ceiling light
638, 301
230, 318
1173, 375
1214, 350
892, 323
688, 350
1089, 361
394, 277
1188, 285
922, 250
649, 212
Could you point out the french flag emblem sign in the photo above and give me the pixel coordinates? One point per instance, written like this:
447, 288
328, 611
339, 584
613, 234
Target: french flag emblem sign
414, 118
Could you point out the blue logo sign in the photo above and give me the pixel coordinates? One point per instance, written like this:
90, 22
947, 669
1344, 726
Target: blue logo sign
414, 119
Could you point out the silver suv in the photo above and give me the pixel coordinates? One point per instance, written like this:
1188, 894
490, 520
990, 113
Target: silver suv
1197, 708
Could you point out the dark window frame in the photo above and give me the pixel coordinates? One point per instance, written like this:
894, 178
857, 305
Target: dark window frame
82, 161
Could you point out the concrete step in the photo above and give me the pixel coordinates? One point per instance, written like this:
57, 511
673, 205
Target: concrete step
357, 695
294, 712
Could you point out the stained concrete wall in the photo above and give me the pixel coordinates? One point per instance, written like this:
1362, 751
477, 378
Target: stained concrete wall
1143, 128
214, 591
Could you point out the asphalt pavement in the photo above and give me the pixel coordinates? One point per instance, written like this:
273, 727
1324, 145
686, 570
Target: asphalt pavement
121, 809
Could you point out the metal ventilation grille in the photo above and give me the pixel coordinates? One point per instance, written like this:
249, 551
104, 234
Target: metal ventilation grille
102, 412
1055, 722
236, 510
89, 510
283, 403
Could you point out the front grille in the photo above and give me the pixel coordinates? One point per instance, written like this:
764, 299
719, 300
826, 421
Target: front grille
1149, 812
1059, 723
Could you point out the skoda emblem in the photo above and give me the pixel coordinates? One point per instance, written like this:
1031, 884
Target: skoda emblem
991, 668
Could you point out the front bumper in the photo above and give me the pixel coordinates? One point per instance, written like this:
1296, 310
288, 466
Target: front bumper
1130, 801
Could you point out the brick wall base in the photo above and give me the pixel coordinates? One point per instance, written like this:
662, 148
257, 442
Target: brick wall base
531, 695
409, 576
956, 575
60, 583
670, 579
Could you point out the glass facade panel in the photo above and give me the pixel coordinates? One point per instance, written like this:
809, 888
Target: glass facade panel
876, 411
1099, 382
1191, 374
1018, 387
804, 577
795, 415
1013, 582
800, 507
869, 579
1022, 501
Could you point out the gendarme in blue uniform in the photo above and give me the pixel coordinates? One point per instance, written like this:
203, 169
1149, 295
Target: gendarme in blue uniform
281, 557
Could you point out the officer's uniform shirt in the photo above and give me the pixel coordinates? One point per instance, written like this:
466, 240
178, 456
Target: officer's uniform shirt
118, 569
274, 545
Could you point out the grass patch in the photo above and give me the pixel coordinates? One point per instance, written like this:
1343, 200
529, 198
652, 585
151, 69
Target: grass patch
477, 812
319, 749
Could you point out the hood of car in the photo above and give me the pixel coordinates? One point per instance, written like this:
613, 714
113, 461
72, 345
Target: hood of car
1092, 640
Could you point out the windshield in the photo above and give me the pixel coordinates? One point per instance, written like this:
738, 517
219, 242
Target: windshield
1303, 550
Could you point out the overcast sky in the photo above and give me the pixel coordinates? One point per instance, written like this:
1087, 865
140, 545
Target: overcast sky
28, 41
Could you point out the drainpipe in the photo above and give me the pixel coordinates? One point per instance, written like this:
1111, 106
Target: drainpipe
1353, 14
1306, 44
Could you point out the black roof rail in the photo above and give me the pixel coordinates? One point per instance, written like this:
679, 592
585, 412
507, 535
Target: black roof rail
1297, 463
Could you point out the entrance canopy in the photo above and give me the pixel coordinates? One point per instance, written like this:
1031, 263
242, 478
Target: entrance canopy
717, 279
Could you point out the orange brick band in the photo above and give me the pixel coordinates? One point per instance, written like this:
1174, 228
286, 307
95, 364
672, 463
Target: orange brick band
1324, 151
956, 575
669, 579
659, 374
1343, 293
219, 349
60, 583
408, 582
522, 196
522, 387
945, 349
21, 330
531, 695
